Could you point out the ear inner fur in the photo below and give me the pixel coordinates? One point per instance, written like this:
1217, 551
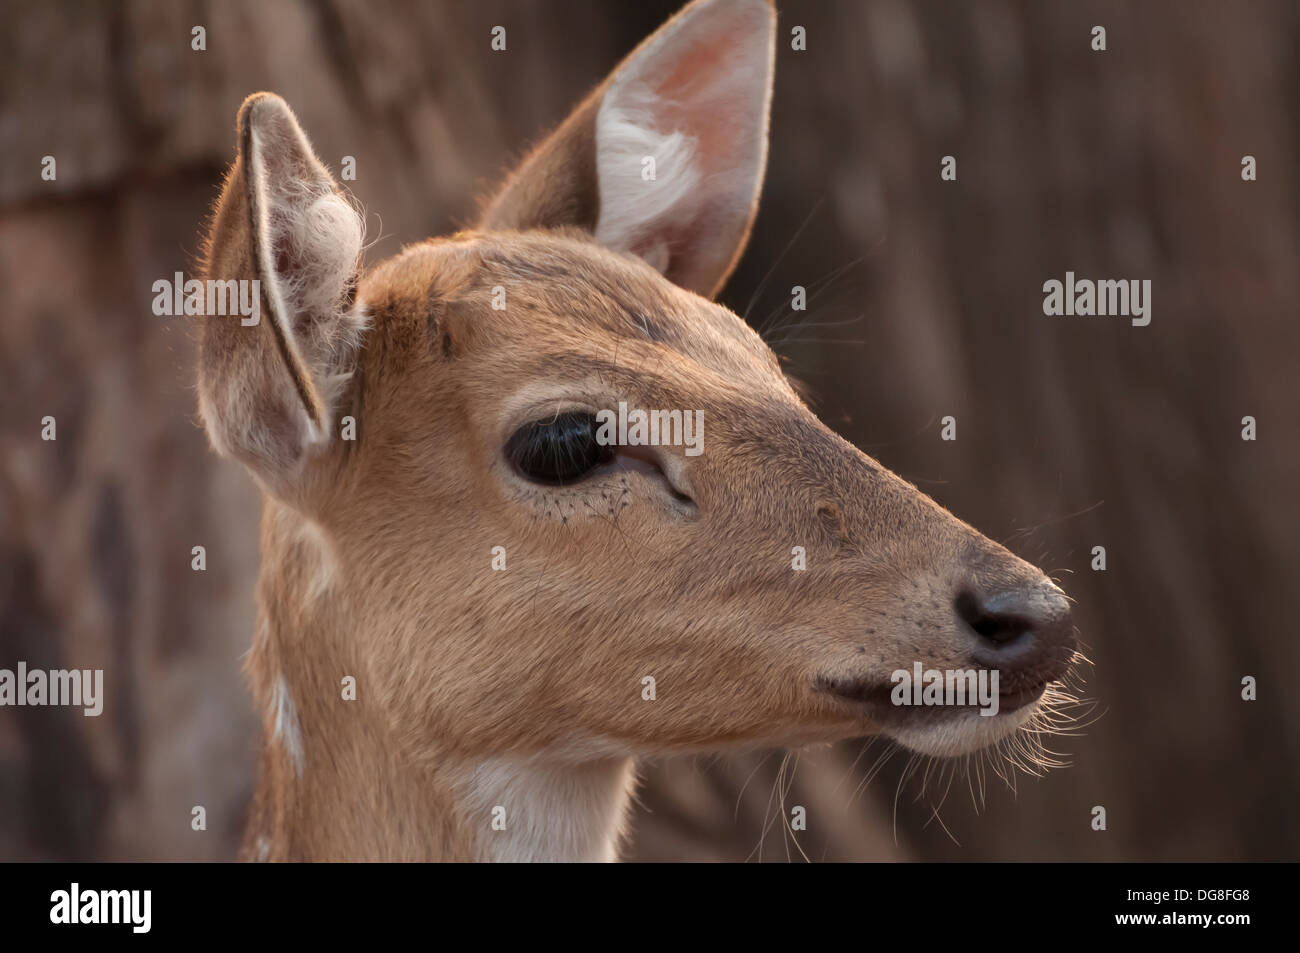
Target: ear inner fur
281, 323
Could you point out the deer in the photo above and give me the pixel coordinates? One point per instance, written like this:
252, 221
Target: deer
524, 613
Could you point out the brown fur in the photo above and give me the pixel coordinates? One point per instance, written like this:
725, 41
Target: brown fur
376, 553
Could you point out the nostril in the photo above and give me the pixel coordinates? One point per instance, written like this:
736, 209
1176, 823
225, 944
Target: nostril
1025, 633
991, 621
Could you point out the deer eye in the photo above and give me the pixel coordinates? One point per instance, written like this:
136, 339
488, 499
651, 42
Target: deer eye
559, 450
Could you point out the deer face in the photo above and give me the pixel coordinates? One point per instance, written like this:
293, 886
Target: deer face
523, 584
619, 563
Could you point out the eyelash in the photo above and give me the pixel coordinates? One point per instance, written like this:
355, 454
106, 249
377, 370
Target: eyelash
558, 451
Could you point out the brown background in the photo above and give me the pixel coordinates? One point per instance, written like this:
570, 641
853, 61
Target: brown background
1073, 432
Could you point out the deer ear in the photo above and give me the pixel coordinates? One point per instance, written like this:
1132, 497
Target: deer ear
267, 386
665, 159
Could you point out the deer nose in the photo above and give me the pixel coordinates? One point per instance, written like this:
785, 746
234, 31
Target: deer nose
1025, 632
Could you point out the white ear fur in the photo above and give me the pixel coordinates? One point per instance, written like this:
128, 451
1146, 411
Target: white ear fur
695, 97
634, 212
303, 222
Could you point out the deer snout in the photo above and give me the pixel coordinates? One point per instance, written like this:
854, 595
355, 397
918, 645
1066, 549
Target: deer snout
1025, 633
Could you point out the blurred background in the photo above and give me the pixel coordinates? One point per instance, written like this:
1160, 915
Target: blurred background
926, 301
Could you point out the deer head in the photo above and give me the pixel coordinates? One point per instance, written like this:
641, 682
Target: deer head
508, 587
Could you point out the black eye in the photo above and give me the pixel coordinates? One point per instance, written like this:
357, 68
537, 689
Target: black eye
559, 450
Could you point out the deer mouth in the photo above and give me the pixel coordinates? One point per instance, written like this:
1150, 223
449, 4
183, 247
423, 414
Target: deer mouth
939, 730
887, 704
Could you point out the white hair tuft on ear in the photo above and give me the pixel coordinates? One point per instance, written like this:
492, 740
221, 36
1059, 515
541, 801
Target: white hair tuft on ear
646, 174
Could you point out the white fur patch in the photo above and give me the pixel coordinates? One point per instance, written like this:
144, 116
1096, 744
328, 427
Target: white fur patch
635, 211
961, 734
286, 729
553, 811
319, 563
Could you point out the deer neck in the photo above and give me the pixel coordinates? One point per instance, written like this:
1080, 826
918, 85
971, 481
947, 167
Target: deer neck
337, 784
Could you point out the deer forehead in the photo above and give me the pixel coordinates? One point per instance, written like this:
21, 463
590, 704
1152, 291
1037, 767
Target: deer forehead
556, 305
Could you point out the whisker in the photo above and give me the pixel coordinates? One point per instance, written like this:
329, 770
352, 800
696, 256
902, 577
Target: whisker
785, 251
